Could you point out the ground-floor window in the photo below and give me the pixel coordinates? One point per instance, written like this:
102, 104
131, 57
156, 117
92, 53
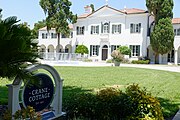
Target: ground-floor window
135, 50
94, 50
114, 47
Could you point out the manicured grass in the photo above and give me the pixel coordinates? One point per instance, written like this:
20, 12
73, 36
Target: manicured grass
162, 84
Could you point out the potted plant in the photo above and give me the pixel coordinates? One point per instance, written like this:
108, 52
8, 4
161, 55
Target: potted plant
117, 57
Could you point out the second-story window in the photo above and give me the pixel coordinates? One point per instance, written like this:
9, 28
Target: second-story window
80, 30
116, 29
105, 28
95, 29
53, 35
135, 28
177, 32
44, 35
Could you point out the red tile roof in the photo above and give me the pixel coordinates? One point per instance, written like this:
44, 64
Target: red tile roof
83, 15
132, 11
125, 11
176, 21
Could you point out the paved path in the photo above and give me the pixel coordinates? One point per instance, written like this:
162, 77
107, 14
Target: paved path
171, 68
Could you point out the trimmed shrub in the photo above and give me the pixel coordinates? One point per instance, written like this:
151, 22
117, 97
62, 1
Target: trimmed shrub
113, 104
124, 50
82, 49
140, 61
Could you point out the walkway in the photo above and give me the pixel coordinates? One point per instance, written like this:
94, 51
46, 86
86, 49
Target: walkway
171, 68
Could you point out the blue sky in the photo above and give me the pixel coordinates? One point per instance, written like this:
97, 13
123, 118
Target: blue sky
30, 11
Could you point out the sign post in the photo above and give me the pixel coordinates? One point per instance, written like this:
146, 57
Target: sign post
43, 92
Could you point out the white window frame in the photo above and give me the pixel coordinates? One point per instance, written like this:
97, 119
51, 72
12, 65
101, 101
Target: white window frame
116, 28
94, 50
95, 29
80, 30
135, 28
134, 51
44, 35
106, 28
53, 35
177, 32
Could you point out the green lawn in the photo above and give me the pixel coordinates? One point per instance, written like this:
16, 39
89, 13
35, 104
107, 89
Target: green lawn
162, 84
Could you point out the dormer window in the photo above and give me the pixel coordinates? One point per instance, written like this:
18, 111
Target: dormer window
105, 27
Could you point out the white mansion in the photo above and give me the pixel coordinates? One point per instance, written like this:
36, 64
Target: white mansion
107, 28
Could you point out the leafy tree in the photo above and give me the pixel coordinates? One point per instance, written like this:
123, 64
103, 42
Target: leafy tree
125, 50
37, 26
58, 16
81, 49
162, 38
16, 48
160, 8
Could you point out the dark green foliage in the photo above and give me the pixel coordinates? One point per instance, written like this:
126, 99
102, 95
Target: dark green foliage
92, 6
162, 38
140, 61
125, 50
16, 48
160, 8
113, 104
37, 26
82, 49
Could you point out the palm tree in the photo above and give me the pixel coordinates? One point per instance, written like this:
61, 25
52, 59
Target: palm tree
58, 16
16, 48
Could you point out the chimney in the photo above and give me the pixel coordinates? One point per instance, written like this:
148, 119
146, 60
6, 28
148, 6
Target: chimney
88, 9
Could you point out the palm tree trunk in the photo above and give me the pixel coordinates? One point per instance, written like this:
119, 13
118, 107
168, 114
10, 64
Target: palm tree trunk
58, 42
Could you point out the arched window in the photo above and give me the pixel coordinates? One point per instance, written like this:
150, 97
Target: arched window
106, 28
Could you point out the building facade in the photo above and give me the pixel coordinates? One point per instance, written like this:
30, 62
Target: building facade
107, 28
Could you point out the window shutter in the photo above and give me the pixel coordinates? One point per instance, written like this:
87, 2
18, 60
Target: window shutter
77, 30
98, 46
119, 27
97, 29
131, 28
112, 48
131, 47
102, 26
112, 29
91, 29
90, 50
139, 27
83, 28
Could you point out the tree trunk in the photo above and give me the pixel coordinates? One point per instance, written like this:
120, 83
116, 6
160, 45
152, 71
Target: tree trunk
156, 58
58, 42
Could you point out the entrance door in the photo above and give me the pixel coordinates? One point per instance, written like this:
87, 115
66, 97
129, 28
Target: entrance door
104, 52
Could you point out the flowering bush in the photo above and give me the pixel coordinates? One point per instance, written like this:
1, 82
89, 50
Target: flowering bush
117, 56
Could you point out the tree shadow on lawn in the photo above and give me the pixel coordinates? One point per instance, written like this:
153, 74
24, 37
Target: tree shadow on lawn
169, 108
3, 95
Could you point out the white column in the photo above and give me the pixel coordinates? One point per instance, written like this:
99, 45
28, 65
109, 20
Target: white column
176, 57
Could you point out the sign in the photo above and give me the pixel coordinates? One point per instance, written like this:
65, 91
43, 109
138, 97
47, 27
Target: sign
38, 93
47, 115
